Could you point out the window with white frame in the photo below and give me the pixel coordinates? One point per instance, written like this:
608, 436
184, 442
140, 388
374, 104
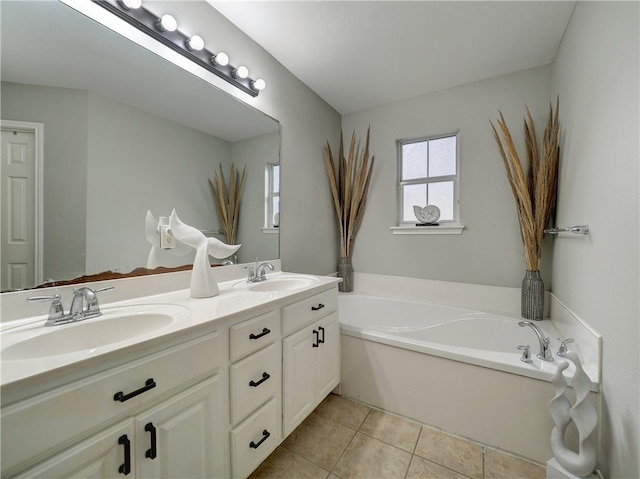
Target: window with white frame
272, 200
428, 175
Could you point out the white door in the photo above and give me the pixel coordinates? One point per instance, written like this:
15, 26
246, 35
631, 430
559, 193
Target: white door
18, 204
299, 381
328, 356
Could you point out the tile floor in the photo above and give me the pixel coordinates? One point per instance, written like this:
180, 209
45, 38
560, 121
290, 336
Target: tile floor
343, 439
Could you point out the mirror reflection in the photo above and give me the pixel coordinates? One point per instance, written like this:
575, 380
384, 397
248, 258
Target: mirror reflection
97, 131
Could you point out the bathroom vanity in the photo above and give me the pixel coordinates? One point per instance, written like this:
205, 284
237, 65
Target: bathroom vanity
211, 393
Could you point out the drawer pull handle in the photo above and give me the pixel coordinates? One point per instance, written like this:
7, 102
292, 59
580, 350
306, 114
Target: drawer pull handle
317, 338
122, 397
126, 467
265, 436
151, 452
317, 308
254, 384
264, 332
321, 329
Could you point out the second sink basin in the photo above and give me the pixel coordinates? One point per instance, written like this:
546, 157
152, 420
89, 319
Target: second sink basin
279, 282
114, 326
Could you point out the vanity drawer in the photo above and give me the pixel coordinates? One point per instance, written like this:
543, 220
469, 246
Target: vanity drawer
301, 313
253, 334
254, 380
33, 426
254, 439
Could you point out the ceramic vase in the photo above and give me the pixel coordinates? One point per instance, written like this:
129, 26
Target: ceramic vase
532, 299
345, 271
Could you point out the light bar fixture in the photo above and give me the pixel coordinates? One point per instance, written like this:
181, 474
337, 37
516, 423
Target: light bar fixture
165, 30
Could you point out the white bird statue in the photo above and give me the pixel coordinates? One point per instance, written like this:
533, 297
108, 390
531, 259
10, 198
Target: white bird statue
203, 282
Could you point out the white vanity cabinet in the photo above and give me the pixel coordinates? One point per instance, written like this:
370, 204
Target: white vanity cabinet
111, 423
255, 382
311, 355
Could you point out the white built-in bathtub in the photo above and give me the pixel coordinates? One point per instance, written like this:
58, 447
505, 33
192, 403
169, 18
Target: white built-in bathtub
449, 367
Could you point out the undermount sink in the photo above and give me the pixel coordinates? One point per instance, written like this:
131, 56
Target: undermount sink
114, 326
284, 283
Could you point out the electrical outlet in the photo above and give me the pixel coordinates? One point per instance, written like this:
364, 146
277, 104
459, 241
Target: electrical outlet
167, 240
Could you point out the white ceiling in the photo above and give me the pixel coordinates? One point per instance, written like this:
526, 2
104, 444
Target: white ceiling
361, 54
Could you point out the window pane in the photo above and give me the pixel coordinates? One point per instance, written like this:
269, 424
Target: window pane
413, 195
442, 157
276, 178
276, 210
441, 195
414, 160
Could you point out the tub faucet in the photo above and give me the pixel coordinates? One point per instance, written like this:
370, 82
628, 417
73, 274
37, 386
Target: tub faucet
545, 349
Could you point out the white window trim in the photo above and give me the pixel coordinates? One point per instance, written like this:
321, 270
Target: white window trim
441, 229
445, 227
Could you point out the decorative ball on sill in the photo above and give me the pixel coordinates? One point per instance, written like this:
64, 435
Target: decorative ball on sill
430, 214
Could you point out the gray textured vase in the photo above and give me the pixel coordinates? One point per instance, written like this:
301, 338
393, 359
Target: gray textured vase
532, 299
345, 271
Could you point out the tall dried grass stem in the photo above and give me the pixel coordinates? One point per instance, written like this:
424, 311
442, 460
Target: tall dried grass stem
227, 200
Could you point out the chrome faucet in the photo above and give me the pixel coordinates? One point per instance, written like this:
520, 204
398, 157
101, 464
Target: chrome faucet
84, 305
545, 349
256, 273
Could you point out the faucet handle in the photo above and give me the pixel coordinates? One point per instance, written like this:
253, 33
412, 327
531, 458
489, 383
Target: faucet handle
56, 310
526, 354
562, 351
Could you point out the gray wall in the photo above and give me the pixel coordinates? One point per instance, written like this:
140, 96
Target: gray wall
64, 113
596, 74
489, 251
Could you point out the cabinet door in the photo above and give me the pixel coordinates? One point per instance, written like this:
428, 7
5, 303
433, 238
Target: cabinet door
181, 436
108, 454
328, 356
299, 377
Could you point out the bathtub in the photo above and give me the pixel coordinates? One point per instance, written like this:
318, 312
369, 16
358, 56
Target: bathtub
452, 368
474, 337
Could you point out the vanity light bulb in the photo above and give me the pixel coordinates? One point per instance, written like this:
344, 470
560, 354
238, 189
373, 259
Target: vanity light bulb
195, 43
221, 59
130, 4
167, 24
241, 72
258, 84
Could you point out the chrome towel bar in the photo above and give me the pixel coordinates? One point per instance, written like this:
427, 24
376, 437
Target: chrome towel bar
579, 230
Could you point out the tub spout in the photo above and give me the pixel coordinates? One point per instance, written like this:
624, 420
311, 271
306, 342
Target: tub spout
545, 349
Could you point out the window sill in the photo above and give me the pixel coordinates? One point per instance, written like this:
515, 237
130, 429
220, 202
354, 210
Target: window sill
442, 229
271, 231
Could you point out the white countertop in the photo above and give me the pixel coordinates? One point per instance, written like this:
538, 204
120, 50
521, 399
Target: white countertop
234, 300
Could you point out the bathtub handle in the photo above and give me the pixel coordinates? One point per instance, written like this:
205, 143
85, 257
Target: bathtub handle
317, 308
526, 355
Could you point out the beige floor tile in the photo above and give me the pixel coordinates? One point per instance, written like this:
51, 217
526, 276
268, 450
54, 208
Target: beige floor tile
423, 469
499, 465
320, 440
369, 458
346, 412
284, 464
452, 452
392, 429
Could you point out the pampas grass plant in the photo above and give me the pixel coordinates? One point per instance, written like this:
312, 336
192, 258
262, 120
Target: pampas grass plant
349, 182
534, 191
227, 200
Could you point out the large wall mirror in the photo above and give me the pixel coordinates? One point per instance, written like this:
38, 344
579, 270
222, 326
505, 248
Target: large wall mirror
122, 131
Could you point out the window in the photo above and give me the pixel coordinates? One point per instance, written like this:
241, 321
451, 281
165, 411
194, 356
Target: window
272, 189
428, 175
